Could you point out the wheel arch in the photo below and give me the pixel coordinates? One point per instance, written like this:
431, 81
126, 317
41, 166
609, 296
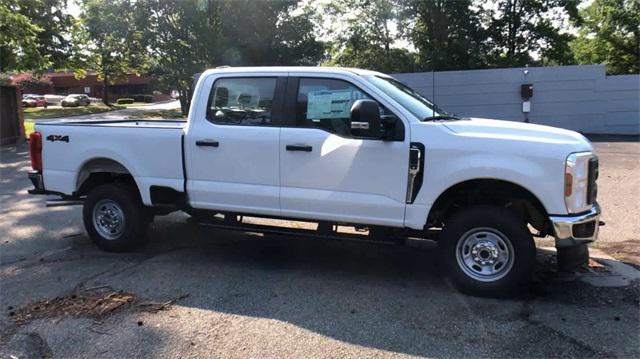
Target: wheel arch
489, 191
101, 170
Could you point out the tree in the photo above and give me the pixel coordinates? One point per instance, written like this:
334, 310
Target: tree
186, 37
51, 17
366, 34
33, 35
518, 30
447, 34
610, 35
182, 37
18, 40
108, 41
261, 33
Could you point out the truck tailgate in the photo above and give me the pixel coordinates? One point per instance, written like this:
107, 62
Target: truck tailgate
151, 151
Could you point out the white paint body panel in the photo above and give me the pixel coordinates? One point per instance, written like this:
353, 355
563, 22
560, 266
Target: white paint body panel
344, 180
152, 154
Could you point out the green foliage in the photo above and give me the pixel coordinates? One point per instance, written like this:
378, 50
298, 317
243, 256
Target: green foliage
107, 40
261, 33
610, 35
175, 39
55, 24
18, 40
365, 35
187, 37
33, 34
38, 113
447, 34
518, 29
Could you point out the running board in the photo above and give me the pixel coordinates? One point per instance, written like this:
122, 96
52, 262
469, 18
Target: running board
63, 202
258, 228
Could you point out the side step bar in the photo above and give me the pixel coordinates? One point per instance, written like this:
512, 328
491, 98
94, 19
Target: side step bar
259, 228
63, 202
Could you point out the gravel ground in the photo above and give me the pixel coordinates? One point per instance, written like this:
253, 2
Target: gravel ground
244, 295
619, 196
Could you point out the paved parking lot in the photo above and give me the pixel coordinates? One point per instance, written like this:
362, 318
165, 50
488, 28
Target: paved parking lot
224, 294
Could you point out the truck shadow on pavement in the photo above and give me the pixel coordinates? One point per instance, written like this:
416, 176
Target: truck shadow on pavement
302, 291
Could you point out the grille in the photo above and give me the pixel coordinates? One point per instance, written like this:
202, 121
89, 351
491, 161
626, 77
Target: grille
592, 187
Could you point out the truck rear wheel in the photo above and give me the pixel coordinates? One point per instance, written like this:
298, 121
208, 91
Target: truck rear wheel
114, 217
488, 251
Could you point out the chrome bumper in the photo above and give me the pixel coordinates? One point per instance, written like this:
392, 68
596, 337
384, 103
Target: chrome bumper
576, 229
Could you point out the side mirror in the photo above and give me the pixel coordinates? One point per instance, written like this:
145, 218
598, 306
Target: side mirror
365, 115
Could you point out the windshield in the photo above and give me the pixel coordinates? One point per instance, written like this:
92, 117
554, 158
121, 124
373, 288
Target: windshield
409, 98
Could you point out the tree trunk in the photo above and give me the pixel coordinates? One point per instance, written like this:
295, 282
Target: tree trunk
105, 86
105, 79
185, 100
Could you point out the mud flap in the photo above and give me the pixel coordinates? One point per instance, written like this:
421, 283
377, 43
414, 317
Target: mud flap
570, 258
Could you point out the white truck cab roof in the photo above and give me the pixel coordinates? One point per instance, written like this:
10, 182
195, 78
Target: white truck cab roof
310, 69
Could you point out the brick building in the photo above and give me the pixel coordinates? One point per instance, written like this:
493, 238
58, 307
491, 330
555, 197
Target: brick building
64, 83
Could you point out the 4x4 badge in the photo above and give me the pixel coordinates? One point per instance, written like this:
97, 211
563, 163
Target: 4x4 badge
54, 138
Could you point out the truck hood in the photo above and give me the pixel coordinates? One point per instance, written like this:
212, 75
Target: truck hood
519, 132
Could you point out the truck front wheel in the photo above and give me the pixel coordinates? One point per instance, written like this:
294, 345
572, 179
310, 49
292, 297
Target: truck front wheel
114, 217
488, 251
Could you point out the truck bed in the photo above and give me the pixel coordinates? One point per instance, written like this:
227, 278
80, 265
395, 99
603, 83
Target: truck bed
151, 151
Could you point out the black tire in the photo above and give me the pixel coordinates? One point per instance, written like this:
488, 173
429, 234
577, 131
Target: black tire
491, 231
126, 203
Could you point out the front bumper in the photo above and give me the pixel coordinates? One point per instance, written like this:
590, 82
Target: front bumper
576, 229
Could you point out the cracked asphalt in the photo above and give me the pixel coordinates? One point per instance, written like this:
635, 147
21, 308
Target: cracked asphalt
274, 297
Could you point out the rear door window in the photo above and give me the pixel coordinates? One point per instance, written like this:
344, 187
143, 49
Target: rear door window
242, 101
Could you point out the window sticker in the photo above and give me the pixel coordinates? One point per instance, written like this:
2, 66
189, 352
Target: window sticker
330, 104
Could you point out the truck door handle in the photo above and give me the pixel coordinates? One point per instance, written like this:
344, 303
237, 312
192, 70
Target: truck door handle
303, 148
207, 143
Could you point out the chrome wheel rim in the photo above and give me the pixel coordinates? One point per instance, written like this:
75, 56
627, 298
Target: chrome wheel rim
485, 254
108, 219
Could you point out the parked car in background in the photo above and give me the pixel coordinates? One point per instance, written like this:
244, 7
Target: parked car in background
53, 99
33, 101
75, 100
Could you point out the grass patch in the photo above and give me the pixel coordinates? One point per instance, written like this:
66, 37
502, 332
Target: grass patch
28, 128
133, 104
38, 113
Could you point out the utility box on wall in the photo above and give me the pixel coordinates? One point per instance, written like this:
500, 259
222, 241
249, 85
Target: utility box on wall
526, 91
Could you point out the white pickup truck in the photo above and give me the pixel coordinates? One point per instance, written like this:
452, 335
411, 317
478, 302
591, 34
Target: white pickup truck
334, 147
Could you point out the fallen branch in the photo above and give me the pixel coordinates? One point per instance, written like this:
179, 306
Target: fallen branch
156, 306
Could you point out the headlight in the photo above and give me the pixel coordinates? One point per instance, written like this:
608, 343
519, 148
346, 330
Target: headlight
576, 182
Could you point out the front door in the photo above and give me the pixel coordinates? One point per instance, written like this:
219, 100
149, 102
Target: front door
234, 153
331, 171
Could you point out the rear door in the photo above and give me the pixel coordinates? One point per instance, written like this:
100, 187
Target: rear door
329, 170
233, 149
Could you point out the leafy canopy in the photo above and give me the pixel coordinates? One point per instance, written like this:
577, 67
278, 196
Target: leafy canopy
610, 35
